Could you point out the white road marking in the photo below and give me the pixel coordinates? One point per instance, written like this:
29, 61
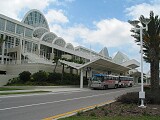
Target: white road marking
61, 100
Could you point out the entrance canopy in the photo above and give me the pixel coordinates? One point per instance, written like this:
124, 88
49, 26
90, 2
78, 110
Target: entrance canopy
99, 64
105, 65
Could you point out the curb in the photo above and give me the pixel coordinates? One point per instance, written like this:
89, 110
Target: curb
67, 114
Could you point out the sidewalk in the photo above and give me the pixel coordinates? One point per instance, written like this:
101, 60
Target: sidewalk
44, 88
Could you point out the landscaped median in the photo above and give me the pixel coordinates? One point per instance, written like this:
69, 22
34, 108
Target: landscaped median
124, 108
74, 112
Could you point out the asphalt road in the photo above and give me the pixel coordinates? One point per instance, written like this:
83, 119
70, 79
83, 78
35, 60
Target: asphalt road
37, 107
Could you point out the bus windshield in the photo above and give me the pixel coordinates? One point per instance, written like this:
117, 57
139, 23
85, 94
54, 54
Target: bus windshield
98, 78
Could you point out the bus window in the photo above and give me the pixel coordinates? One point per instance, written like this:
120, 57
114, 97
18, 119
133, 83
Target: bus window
98, 78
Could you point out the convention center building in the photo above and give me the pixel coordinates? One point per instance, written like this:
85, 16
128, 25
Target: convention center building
29, 45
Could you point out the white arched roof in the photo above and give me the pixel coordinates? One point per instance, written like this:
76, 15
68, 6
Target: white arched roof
39, 31
59, 41
48, 37
35, 18
69, 46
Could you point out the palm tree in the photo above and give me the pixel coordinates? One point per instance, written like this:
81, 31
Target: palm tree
151, 47
56, 61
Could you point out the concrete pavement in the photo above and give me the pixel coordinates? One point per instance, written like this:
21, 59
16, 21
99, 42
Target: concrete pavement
43, 88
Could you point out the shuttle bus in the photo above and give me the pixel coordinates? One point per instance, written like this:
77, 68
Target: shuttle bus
103, 81
125, 81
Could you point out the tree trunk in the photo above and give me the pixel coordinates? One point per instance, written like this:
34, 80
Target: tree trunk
62, 72
55, 68
154, 67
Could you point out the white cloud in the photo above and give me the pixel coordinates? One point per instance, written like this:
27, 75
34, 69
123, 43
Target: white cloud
108, 32
143, 9
12, 8
54, 16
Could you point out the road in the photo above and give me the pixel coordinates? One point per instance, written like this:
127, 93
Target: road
40, 106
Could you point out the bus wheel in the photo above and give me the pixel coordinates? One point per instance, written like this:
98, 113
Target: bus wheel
105, 87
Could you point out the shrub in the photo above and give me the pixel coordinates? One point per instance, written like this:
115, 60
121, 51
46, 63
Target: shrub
40, 76
129, 98
93, 114
147, 87
25, 76
54, 78
133, 97
13, 81
153, 97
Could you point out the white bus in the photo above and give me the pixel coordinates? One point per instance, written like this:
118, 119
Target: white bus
125, 81
102, 81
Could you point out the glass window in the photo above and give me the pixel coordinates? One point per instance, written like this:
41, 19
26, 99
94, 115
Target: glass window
20, 29
2, 24
28, 46
35, 47
17, 41
9, 42
28, 32
10, 26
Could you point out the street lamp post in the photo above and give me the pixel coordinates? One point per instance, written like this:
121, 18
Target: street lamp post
140, 28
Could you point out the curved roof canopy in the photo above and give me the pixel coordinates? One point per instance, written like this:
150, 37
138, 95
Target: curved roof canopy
39, 31
35, 18
48, 37
59, 41
69, 46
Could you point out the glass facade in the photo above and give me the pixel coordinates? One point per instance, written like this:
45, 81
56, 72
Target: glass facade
10, 26
14, 31
28, 46
17, 42
28, 32
49, 37
9, 42
60, 42
2, 24
35, 48
39, 32
20, 29
1, 36
70, 46
36, 19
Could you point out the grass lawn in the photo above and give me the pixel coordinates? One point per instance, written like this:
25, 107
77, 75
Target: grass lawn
7, 89
10, 93
113, 118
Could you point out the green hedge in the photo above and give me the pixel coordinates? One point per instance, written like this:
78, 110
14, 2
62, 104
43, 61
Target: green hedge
44, 78
133, 97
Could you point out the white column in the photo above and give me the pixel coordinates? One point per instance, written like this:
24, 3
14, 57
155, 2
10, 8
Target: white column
32, 47
39, 49
3, 47
81, 79
20, 51
52, 50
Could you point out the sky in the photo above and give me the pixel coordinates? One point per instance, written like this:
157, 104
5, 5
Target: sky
94, 24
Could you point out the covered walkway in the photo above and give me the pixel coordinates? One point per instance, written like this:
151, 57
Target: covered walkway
99, 64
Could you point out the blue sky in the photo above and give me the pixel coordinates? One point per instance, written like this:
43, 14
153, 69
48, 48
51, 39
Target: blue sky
95, 23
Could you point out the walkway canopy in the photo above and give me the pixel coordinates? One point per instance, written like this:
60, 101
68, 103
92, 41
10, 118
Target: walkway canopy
99, 64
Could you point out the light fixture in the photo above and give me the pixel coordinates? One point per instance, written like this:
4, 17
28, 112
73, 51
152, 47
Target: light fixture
133, 22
